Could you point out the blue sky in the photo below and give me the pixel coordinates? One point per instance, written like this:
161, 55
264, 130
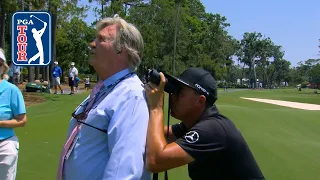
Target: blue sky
293, 24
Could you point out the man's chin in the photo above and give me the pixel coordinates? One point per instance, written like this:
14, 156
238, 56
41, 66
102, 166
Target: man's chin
91, 61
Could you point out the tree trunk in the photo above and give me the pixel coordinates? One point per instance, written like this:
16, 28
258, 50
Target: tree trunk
175, 38
241, 83
30, 68
250, 75
53, 41
43, 73
36, 73
271, 79
35, 69
254, 75
265, 74
47, 73
2, 29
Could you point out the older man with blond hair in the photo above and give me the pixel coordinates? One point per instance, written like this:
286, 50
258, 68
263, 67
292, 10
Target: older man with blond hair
107, 133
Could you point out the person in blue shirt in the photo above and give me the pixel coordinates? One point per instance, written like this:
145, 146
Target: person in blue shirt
56, 73
107, 133
76, 83
12, 115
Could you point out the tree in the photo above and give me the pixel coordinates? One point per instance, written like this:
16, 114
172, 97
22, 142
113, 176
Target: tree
257, 51
72, 44
6, 7
281, 70
314, 75
250, 48
202, 39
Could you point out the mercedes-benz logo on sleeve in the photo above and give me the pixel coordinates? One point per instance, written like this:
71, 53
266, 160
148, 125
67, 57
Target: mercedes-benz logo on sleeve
192, 137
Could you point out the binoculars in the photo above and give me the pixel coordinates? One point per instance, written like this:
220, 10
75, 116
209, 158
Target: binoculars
171, 86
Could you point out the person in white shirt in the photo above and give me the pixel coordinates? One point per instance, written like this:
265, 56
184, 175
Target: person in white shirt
87, 83
73, 73
16, 74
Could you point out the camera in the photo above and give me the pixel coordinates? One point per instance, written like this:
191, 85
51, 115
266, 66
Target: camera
171, 85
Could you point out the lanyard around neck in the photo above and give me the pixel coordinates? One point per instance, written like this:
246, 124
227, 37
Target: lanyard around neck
103, 91
104, 94
118, 80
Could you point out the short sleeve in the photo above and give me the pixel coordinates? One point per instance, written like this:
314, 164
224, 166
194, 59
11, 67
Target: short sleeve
17, 103
205, 140
179, 130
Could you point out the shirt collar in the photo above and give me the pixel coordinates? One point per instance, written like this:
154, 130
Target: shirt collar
209, 112
116, 76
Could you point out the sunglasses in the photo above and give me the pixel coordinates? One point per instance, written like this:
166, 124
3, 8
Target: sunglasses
82, 116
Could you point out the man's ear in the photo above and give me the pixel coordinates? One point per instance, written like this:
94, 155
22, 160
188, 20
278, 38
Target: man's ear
202, 100
121, 50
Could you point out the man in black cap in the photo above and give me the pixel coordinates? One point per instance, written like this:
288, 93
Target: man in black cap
206, 140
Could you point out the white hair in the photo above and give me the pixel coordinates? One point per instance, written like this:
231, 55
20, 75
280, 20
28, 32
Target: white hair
128, 37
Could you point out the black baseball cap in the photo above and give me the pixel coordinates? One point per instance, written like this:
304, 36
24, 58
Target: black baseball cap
200, 80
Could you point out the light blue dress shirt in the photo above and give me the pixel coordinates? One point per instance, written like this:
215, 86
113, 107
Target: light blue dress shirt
119, 154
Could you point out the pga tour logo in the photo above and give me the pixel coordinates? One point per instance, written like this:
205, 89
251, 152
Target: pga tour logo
31, 38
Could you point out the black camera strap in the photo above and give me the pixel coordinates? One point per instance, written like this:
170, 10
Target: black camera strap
168, 127
156, 175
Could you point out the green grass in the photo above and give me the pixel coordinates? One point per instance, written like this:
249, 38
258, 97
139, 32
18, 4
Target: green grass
284, 141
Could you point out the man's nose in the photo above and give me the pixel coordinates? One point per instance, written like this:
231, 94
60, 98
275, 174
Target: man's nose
93, 44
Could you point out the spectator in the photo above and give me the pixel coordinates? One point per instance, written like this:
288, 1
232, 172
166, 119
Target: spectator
16, 74
73, 73
12, 115
10, 72
56, 73
87, 83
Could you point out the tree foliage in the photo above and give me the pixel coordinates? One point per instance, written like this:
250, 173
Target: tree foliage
202, 40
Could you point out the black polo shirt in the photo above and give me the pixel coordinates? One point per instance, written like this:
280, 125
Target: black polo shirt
219, 149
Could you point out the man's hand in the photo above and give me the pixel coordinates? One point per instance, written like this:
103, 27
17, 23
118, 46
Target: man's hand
155, 94
160, 155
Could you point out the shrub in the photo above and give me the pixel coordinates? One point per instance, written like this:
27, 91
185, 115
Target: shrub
304, 84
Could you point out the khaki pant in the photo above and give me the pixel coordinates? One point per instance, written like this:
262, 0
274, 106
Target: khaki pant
9, 149
56, 81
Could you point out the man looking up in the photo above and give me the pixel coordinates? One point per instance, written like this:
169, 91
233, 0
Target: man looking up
107, 134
